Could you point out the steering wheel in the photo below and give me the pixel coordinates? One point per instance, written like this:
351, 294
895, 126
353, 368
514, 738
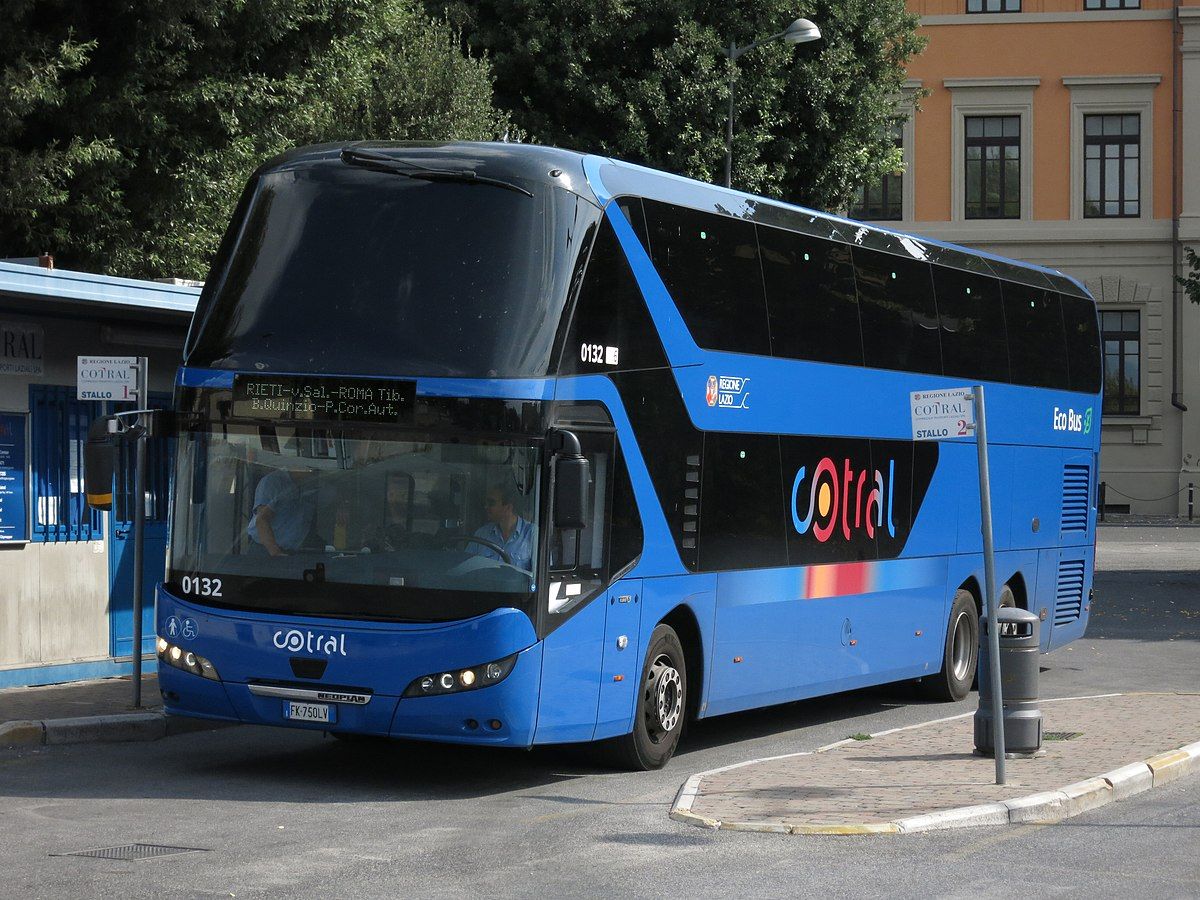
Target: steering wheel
472, 539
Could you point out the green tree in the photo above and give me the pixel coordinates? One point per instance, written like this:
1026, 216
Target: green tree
127, 129
1191, 284
646, 81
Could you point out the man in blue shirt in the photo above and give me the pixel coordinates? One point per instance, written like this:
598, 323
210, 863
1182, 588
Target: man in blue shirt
285, 505
505, 529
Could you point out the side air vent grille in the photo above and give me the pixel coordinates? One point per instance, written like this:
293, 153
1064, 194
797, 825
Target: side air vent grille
1068, 599
1075, 497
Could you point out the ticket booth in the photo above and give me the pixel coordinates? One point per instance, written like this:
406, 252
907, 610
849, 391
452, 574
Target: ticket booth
66, 571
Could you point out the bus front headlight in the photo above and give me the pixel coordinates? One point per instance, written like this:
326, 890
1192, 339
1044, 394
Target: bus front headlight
454, 681
185, 660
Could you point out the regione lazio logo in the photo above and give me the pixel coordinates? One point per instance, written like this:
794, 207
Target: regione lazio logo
727, 392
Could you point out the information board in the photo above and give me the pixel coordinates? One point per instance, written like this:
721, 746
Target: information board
14, 507
297, 398
106, 377
942, 415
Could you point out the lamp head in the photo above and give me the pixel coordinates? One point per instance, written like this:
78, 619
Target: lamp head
801, 32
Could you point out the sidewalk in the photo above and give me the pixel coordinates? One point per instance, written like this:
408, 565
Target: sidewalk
926, 777
87, 711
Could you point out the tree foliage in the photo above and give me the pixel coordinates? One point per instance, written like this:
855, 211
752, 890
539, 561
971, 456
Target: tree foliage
1191, 284
127, 129
646, 81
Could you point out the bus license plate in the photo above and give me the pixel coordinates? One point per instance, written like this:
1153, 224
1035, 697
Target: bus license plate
309, 712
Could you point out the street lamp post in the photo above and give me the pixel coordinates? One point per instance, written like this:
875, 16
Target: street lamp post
799, 32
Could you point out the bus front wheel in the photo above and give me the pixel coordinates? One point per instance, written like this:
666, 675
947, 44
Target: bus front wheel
661, 705
960, 654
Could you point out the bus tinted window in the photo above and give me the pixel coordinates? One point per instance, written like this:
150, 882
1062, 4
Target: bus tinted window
742, 510
342, 269
710, 267
899, 316
1083, 343
971, 313
1037, 347
611, 328
810, 298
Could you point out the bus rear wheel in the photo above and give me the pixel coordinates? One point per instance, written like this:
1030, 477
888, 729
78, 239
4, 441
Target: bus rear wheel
661, 702
960, 654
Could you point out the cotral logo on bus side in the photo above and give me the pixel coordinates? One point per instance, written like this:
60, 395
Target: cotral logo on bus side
855, 498
295, 640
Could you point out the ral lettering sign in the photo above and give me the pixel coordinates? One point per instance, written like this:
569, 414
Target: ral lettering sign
106, 378
942, 415
21, 348
14, 509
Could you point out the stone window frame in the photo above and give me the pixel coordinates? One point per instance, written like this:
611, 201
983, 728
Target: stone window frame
1113, 95
989, 97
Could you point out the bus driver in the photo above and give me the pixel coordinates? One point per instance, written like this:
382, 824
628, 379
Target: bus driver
505, 529
285, 508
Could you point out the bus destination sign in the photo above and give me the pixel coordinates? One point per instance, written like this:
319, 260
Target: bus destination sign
299, 398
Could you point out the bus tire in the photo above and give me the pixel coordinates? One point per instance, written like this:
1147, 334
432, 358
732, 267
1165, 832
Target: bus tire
661, 706
960, 655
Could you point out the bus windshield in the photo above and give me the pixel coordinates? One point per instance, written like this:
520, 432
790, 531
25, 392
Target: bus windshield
354, 523
334, 268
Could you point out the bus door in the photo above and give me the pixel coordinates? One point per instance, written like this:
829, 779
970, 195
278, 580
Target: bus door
159, 453
591, 626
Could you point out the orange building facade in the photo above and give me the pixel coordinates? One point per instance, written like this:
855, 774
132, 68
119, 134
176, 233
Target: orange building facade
1067, 133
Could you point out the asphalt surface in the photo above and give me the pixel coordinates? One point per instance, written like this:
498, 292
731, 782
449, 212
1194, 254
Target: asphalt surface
285, 813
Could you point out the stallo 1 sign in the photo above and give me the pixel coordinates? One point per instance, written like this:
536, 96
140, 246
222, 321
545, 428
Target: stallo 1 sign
106, 377
942, 415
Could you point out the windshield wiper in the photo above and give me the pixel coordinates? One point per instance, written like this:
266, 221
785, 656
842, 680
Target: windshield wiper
379, 162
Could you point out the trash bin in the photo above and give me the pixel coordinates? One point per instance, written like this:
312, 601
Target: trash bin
1020, 654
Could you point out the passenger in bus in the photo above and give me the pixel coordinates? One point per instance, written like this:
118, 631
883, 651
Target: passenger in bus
285, 509
505, 529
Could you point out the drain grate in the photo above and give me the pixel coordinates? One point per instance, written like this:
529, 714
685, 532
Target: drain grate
1061, 735
133, 851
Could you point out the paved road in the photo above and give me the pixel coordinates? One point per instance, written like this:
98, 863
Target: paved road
284, 813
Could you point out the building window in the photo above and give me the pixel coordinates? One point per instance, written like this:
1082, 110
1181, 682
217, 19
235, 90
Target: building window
1111, 166
59, 425
993, 167
881, 200
994, 6
1112, 4
1121, 335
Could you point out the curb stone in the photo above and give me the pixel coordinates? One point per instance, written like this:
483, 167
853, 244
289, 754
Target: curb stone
1045, 807
115, 728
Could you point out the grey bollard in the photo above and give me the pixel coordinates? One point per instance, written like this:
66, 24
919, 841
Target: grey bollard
1020, 654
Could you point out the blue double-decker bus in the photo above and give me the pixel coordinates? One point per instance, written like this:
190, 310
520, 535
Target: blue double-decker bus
507, 445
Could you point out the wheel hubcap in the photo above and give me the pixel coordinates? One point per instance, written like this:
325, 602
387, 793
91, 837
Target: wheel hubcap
962, 648
663, 698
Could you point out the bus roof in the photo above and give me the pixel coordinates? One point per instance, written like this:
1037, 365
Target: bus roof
600, 178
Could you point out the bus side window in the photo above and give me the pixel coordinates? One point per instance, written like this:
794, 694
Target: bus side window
899, 316
811, 303
1037, 345
611, 329
971, 314
742, 519
1083, 343
710, 266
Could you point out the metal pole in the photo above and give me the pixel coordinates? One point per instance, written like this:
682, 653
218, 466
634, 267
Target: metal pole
989, 580
139, 535
729, 121
139, 526
1103, 498
1190, 498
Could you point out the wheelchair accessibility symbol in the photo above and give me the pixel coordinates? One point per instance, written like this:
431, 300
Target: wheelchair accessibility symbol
189, 630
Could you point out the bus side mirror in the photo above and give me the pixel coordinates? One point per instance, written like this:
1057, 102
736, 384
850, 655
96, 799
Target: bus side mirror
99, 461
572, 475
